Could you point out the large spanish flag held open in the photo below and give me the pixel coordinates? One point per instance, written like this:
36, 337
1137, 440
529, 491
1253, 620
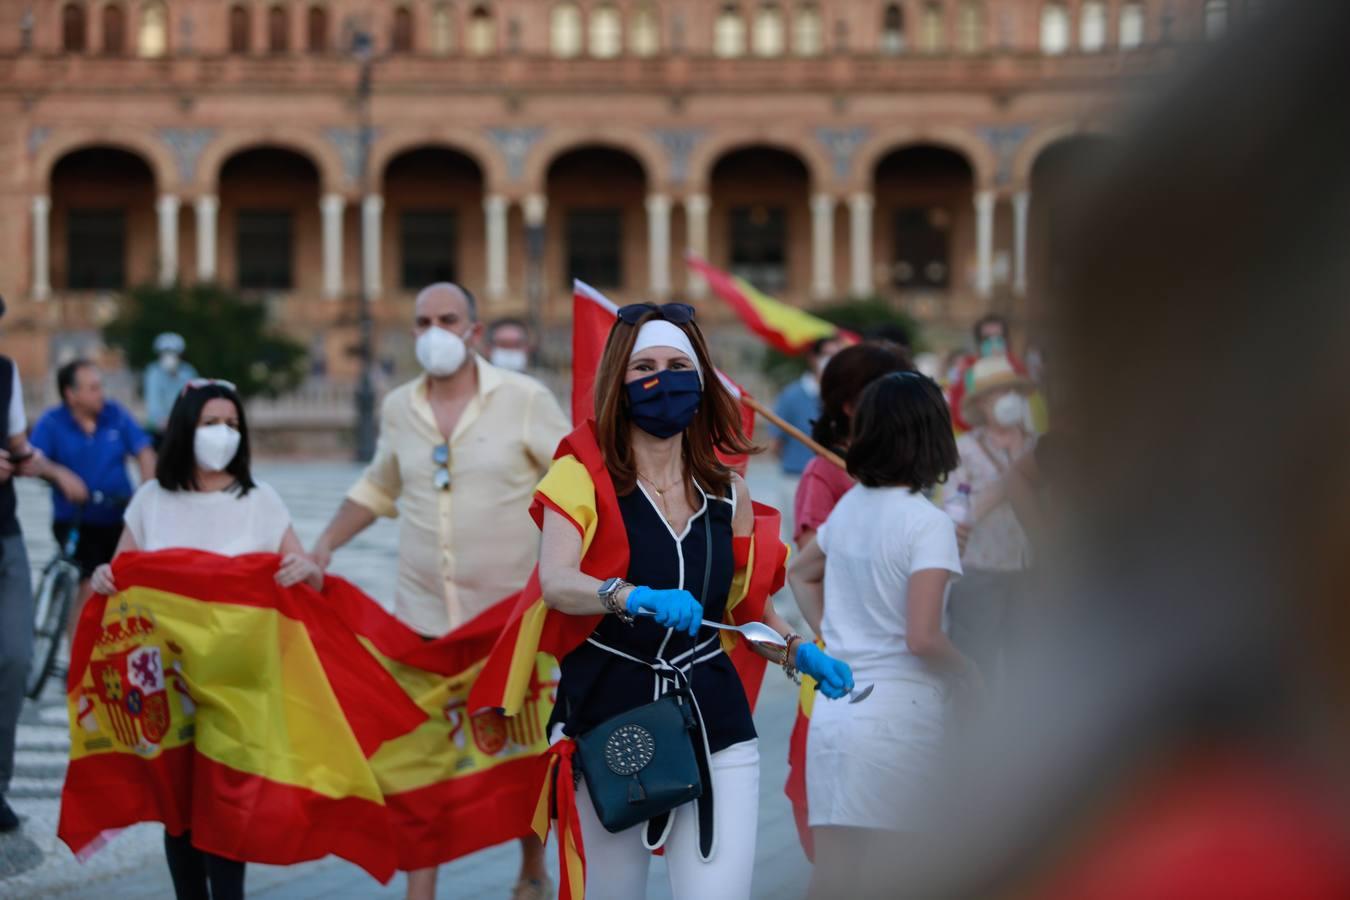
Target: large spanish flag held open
784, 327
579, 488
207, 697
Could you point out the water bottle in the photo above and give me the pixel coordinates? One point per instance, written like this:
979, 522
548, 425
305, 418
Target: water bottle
958, 505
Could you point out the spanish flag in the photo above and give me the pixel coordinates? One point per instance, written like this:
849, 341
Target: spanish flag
783, 327
207, 697
578, 487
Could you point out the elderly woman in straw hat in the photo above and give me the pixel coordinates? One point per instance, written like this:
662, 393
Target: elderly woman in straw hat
996, 546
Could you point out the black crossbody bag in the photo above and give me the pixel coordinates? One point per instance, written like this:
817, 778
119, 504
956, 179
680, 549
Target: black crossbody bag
641, 764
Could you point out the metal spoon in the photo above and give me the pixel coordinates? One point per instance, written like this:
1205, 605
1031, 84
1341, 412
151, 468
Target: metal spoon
857, 695
754, 632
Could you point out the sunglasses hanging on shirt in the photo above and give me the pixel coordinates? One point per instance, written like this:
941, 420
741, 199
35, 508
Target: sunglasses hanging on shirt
675, 313
440, 456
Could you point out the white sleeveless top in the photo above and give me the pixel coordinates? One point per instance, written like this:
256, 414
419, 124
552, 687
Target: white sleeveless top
215, 521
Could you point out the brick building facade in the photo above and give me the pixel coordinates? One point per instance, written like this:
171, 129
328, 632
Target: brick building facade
822, 149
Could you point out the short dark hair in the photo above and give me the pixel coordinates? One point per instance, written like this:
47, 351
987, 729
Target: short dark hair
506, 322
176, 469
902, 434
816, 347
66, 375
991, 319
848, 372
894, 332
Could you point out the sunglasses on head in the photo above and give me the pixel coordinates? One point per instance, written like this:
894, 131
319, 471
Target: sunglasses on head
197, 383
675, 313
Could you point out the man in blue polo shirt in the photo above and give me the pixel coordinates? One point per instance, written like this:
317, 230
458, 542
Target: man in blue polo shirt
90, 438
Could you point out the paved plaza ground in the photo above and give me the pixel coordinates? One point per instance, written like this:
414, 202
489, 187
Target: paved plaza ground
33, 863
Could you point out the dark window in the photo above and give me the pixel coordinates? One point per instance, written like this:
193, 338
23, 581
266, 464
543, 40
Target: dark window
278, 30
921, 244
239, 30
318, 30
429, 238
96, 242
402, 39
263, 249
114, 30
72, 28
595, 247
759, 246
893, 30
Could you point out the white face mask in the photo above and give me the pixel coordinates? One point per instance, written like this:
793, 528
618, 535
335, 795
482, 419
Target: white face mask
510, 358
1010, 410
441, 352
215, 446
169, 361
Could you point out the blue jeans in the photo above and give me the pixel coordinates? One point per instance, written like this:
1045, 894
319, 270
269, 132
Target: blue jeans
16, 645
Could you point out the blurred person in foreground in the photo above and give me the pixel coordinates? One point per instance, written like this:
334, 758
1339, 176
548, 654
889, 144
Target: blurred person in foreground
823, 483
995, 545
163, 381
873, 584
508, 344
461, 448
799, 405
1178, 728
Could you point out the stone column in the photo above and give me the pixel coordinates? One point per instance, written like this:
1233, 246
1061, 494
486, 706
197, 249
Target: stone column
167, 207
822, 246
984, 243
207, 207
860, 247
494, 212
696, 239
42, 275
535, 210
332, 207
658, 245
1021, 203
372, 207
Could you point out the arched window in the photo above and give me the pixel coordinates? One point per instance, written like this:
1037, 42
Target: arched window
1092, 26
970, 26
278, 30
72, 28
114, 30
644, 38
893, 30
482, 31
239, 29
768, 38
401, 40
1131, 26
808, 32
606, 32
153, 39
442, 30
1216, 18
316, 30
565, 30
932, 30
1054, 29
729, 32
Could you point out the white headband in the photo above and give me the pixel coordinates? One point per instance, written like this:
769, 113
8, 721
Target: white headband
660, 333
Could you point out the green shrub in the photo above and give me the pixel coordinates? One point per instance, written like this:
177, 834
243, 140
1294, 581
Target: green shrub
860, 315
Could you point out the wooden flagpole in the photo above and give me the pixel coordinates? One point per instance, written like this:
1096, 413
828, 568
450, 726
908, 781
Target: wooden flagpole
792, 430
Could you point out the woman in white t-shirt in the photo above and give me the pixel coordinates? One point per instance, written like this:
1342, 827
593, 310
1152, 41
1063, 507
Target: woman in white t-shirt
873, 584
204, 498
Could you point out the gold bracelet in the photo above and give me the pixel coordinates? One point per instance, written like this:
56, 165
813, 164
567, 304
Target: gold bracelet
788, 668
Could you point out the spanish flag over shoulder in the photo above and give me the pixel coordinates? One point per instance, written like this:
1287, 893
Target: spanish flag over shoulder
578, 487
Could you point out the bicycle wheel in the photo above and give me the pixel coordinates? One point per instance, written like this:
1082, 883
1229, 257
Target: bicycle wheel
55, 595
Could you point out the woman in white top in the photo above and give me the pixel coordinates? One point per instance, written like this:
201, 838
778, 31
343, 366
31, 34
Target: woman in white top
873, 584
204, 498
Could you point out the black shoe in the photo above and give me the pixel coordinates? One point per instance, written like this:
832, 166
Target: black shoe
9, 821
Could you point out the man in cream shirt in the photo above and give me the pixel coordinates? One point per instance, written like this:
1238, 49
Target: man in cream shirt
461, 449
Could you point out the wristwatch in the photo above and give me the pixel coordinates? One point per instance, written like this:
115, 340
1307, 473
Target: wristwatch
609, 595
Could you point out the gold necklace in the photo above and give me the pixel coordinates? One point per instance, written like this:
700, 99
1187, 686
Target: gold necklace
660, 492
661, 498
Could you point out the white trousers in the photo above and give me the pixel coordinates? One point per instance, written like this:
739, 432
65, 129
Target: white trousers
616, 864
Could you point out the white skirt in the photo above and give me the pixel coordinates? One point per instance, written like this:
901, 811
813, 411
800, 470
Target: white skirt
871, 764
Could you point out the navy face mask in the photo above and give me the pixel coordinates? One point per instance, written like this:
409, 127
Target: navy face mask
664, 404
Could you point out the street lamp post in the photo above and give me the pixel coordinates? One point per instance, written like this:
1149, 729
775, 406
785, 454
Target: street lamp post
363, 52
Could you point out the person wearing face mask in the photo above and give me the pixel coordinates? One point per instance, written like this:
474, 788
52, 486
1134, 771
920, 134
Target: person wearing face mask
508, 344
996, 544
461, 448
993, 337
163, 381
661, 417
204, 497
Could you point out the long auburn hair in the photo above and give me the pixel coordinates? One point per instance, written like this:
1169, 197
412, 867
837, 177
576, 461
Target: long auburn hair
716, 426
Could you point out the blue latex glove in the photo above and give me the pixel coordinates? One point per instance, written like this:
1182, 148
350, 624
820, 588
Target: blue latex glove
673, 609
834, 676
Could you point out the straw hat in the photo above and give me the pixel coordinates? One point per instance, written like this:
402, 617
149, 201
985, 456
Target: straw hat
987, 375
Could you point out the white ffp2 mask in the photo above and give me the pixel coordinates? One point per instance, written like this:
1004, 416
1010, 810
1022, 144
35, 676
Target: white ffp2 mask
441, 352
511, 358
215, 446
1010, 410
